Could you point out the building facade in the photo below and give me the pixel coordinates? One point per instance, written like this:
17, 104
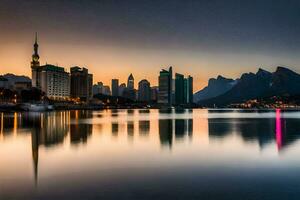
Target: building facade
183, 89
144, 91
179, 89
189, 89
165, 87
81, 83
55, 82
122, 87
154, 94
130, 82
115, 87
98, 88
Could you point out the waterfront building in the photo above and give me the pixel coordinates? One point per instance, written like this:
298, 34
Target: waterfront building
179, 89
154, 93
115, 87
130, 82
165, 86
122, 87
98, 88
144, 91
183, 89
54, 81
81, 83
189, 90
106, 90
130, 94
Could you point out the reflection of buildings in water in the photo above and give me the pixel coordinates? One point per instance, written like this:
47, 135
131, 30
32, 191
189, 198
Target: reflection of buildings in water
114, 128
1, 123
166, 131
79, 132
46, 129
144, 122
180, 128
183, 127
35, 154
144, 127
130, 128
130, 111
114, 112
190, 127
8, 123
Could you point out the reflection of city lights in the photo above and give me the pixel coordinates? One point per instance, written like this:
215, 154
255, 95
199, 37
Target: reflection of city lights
278, 129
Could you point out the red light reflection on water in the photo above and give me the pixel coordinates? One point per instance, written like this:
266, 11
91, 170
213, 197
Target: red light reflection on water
278, 129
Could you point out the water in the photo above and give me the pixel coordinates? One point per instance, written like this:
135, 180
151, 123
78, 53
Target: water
150, 154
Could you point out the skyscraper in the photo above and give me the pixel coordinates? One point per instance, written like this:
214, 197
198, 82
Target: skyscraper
53, 80
115, 87
130, 92
189, 90
122, 87
165, 86
179, 89
130, 82
81, 83
98, 88
144, 92
154, 93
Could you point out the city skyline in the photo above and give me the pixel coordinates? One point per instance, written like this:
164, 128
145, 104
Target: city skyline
206, 39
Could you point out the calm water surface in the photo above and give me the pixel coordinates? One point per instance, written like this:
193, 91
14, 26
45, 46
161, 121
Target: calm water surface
150, 154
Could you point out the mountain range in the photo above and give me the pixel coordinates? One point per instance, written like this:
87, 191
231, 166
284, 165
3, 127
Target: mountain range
223, 91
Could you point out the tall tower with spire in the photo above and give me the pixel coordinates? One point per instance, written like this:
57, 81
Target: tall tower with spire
130, 82
35, 65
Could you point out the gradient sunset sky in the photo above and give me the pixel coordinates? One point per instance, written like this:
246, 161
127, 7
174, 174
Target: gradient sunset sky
113, 38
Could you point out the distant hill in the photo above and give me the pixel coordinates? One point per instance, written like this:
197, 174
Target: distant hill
262, 84
16, 78
215, 87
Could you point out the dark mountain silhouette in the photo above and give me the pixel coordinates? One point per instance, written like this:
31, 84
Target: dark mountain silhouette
260, 85
215, 87
12, 79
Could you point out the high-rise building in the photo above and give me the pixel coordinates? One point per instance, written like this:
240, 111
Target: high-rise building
144, 92
122, 87
154, 93
183, 89
179, 89
35, 65
81, 83
165, 86
189, 89
115, 87
106, 90
130, 82
130, 92
54, 81
98, 88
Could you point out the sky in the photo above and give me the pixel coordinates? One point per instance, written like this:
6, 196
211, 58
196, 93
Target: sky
113, 38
